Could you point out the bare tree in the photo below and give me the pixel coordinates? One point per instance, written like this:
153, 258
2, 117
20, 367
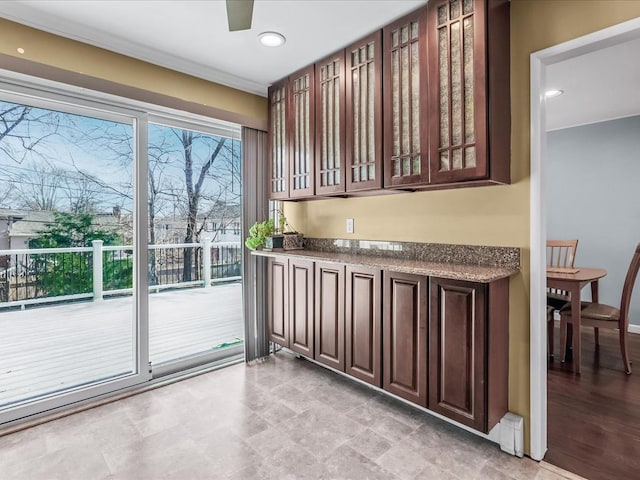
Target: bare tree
6, 192
24, 129
33, 149
38, 186
80, 192
194, 188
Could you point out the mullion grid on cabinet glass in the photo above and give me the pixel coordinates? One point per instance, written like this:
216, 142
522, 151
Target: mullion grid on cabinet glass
455, 60
405, 78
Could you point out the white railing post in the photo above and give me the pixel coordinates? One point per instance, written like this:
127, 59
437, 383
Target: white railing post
97, 270
206, 262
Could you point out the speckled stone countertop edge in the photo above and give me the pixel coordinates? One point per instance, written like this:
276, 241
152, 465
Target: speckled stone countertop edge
479, 255
452, 271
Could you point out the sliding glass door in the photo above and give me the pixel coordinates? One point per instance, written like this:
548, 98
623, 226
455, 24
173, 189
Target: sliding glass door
120, 246
69, 261
195, 248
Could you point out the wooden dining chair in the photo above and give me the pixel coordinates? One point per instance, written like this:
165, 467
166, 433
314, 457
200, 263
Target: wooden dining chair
599, 315
550, 327
560, 253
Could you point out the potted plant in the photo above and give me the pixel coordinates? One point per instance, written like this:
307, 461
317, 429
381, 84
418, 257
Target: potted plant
292, 240
265, 235
258, 234
276, 239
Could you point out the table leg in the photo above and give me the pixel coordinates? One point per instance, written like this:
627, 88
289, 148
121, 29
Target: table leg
576, 320
594, 299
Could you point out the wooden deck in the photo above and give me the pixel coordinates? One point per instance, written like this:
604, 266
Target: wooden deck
52, 348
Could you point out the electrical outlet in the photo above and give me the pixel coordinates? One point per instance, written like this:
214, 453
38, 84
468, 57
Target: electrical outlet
350, 227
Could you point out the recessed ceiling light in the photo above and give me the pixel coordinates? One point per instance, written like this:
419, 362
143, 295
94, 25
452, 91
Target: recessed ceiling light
554, 92
20, 50
271, 39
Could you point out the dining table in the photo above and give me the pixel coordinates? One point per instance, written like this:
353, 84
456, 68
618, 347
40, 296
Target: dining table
573, 280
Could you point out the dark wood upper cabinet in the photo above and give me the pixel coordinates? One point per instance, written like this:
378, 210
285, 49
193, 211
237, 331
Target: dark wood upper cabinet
301, 311
468, 351
301, 133
405, 336
441, 78
469, 90
329, 299
364, 114
279, 140
278, 301
363, 336
330, 125
405, 96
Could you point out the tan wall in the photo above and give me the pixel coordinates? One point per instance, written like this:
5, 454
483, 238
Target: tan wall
72, 56
496, 215
487, 215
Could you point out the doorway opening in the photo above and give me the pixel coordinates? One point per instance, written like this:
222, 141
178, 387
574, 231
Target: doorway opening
542, 65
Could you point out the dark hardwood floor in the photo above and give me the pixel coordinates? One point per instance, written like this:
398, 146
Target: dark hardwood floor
594, 417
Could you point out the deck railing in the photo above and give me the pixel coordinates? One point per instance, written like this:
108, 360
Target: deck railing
45, 275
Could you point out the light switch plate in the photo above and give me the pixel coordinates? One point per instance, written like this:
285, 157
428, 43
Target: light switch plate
350, 226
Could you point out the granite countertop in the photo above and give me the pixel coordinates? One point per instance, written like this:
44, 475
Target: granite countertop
454, 271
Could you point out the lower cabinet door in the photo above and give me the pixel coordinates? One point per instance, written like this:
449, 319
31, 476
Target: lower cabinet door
329, 318
278, 301
301, 293
405, 336
457, 351
363, 338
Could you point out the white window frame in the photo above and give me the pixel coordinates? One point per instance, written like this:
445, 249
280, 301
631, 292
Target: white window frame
24, 89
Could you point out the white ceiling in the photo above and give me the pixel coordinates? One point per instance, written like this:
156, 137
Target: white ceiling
192, 36
598, 86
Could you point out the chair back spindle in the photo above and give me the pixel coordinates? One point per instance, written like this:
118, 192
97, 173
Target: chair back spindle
561, 253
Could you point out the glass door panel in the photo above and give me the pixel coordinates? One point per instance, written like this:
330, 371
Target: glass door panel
195, 248
67, 258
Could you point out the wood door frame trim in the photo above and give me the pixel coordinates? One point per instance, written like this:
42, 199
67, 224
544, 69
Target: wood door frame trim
539, 60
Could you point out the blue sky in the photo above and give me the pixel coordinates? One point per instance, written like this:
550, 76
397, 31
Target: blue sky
78, 150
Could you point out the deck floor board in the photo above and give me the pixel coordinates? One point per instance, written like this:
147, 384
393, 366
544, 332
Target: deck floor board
48, 348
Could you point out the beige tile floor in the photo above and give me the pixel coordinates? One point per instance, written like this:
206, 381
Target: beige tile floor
281, 419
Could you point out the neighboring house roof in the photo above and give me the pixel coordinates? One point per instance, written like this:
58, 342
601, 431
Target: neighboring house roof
29, 223
6, 213
221, 210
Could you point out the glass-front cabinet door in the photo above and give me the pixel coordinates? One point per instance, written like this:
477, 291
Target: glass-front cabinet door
278, 140
406, 141
364, 114
458, 90
301, 133
330, 125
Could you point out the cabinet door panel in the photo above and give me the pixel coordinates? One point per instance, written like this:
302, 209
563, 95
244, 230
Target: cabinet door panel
457, 351
278, 301
364, 114
330, 315
302, 133
301, 293
457, 64
278, 140
330, 125
406, 132
362, 325
405, 336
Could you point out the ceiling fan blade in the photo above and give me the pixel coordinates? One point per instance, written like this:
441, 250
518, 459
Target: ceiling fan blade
239, 14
